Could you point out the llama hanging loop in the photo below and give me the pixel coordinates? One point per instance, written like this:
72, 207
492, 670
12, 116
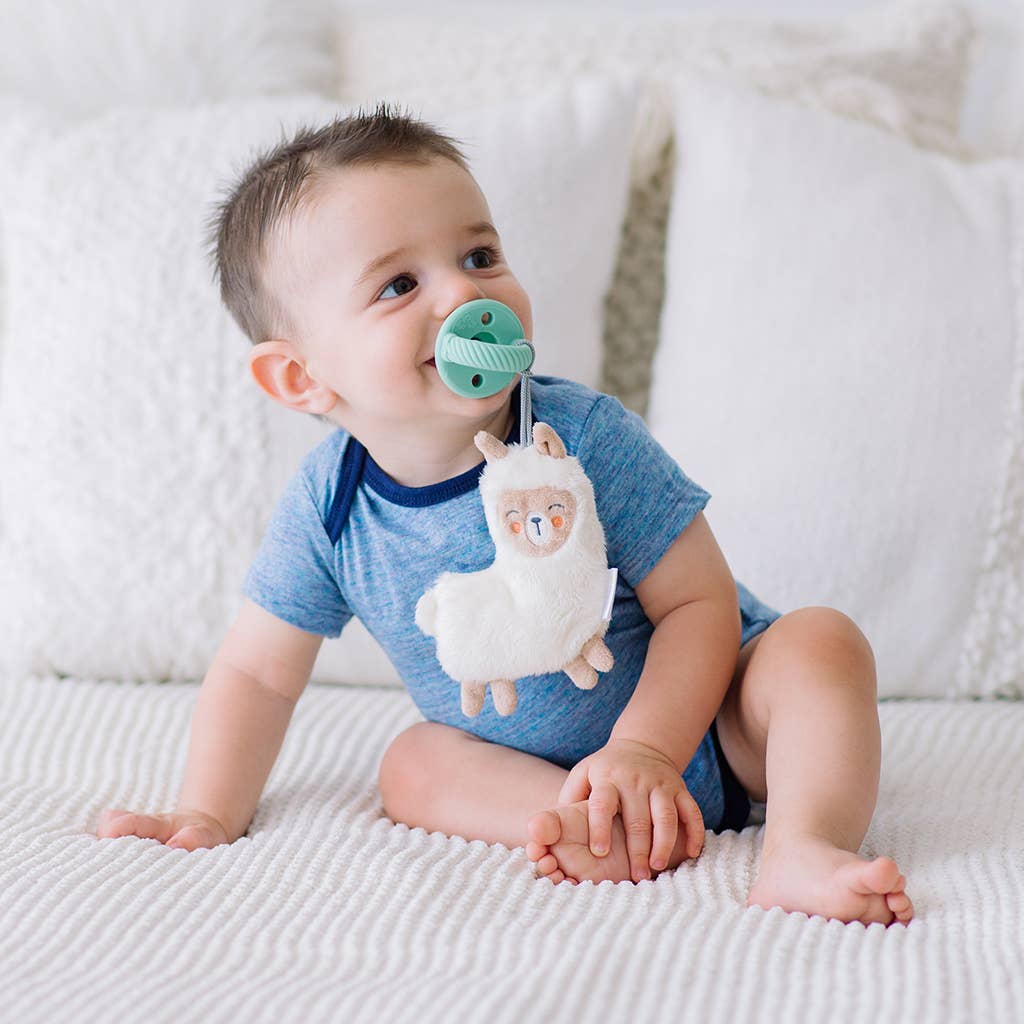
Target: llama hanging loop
544, 604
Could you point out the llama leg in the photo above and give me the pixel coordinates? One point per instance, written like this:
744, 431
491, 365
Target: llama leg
473, 698
581, 673
596, 651
503, 693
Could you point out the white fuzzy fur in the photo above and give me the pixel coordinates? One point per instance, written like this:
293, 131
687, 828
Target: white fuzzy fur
522, 615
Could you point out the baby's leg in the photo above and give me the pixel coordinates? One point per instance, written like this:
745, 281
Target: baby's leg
447, 780
799, 726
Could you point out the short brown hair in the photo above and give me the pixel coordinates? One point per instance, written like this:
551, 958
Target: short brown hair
278, 180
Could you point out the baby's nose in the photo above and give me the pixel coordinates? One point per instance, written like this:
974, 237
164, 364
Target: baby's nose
456, 291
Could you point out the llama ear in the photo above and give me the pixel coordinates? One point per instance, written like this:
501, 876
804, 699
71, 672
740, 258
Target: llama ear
491, 448
547, 442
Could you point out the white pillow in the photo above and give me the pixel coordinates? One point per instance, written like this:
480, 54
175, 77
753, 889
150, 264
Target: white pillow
72, 59
142, 463
20, 128
78, 58
842, 366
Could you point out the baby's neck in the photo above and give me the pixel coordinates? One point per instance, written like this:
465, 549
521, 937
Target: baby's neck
435, 456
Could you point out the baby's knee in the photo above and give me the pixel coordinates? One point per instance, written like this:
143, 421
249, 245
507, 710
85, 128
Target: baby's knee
408, 761
827, 643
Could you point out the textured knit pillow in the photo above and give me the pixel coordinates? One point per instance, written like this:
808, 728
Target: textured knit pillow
141, 462
842, 367
903, 67
78, 58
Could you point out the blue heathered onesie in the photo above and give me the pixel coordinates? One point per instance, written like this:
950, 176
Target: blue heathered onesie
345, 539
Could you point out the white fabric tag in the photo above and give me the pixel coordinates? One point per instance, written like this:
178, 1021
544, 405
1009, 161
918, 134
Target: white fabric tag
613, 575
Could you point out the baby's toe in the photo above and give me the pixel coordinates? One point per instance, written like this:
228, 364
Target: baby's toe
878, 876
534, 851
545, 827
547, 865
899, 903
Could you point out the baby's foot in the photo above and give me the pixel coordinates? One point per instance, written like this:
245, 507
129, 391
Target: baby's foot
810, 874
560, 846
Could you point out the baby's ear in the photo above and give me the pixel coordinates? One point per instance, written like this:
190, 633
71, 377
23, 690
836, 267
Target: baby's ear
280, 370
491, 448
547, 442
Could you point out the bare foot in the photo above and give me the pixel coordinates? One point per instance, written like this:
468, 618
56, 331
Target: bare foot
560, 847
810, 874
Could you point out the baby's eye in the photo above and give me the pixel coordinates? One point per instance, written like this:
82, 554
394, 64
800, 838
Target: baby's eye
491, 256
400, 291
492, 253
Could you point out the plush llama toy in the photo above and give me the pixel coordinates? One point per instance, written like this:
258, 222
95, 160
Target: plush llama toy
540, 606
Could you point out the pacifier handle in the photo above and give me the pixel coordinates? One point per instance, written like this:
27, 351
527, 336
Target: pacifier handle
511, 357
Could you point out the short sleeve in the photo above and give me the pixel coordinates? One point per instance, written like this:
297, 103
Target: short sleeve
293, 574
644, 500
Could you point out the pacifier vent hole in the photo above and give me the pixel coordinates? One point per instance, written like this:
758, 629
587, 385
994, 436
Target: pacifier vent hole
476, 380
486, 318
485, 336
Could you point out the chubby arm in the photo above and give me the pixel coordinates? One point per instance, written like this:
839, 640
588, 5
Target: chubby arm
242, 713
239, 722
690, 597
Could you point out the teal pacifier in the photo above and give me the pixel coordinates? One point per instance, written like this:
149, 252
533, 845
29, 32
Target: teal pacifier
480, 348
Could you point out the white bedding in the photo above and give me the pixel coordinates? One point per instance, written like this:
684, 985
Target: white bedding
329, 911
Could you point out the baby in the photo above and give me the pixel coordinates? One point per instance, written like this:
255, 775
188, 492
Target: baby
340, 252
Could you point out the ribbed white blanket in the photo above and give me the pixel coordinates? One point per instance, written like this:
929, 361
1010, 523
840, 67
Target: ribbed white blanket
327, 911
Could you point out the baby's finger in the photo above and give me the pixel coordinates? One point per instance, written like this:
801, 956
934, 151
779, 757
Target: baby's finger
191, 837
106, 817
124, 823
693, 820
636, 819
602, 804
665, 818
576, 786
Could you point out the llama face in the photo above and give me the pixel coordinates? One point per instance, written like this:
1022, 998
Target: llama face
537, 521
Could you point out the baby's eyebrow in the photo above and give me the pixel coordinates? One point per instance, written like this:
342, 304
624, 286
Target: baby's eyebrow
379, 262
481, 227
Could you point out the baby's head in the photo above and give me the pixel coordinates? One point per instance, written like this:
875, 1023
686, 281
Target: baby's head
341, 251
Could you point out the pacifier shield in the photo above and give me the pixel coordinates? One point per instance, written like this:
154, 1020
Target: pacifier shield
480, 348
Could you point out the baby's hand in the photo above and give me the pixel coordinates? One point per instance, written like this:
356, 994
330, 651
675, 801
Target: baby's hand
186, 830
644, 784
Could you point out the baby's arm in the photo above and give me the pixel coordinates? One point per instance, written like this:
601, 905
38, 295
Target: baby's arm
690, 598
238, 725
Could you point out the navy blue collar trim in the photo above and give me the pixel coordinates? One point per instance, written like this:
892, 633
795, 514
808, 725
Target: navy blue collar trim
432, 494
